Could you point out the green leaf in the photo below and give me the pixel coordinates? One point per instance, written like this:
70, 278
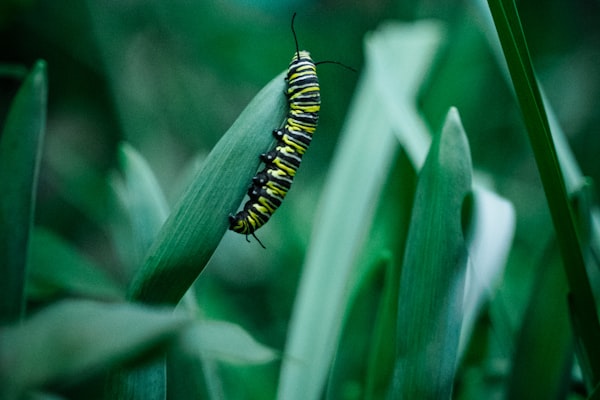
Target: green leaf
20, 153
542, 363
381, 355
363, 363
197, 349
430, 303
351, 368
226, 342
192, 375
147, 381
13, 71
72, 339
365, 155
198, 221
489, 238
193, 378
142, 200
56, 267
588, 221
514, 45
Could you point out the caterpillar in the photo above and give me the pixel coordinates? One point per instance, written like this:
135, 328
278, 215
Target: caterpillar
270, 186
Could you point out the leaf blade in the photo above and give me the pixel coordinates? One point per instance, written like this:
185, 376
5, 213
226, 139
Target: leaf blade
20, 154
197, 223
582, 301
40, 350
433, 272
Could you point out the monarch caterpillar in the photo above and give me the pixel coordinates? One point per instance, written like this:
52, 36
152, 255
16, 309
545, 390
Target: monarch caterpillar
270, 185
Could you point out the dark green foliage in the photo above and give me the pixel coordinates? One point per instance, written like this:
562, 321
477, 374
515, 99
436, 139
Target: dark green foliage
390, 269
20, 154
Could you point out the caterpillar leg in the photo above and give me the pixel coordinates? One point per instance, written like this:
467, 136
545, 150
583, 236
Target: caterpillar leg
257, 239
278, 133
231, 219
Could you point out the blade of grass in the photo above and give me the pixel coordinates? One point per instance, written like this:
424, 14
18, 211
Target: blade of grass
583, 303
20, 154
489, 238
542, 362
363, 360
380, 365
587, 214
141, 199
349, 369
147, 205
430, 302
198, 221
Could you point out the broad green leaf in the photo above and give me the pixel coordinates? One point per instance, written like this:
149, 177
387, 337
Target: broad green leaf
72, 339
56, 267
514, 45
205, 351
226, 342
367, 148
198, 221
193, 362
20, 153
430, 303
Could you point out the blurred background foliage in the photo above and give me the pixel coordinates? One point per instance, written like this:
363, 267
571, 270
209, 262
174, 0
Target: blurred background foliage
171, 77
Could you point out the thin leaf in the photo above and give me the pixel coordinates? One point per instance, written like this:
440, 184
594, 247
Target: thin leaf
20, 154
349, 371
142, 199
542, 362
430, 303
227, 342
13, 71
74, 338
363, 362
513, 42
489, 239
147, 382
381, 360
192, 375
197, 223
